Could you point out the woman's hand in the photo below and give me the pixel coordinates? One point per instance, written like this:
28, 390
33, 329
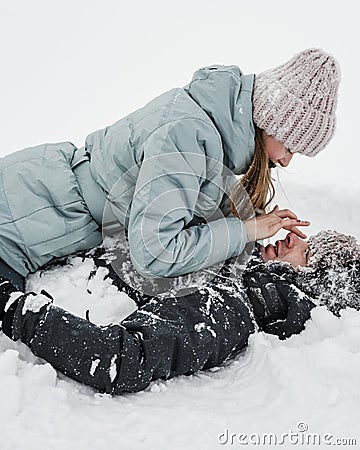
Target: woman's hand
267, 225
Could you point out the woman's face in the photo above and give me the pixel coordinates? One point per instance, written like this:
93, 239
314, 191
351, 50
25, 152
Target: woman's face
277, 152
292, 249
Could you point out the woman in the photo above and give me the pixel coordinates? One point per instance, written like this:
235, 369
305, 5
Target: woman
177, 335
162, 172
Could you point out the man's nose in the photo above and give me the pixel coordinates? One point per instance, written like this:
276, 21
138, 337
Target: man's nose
291, 239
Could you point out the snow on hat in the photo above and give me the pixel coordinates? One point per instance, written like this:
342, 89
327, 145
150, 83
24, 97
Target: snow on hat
296, 102
332, 277
331, 249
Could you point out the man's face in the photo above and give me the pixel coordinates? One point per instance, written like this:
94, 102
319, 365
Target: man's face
292, 249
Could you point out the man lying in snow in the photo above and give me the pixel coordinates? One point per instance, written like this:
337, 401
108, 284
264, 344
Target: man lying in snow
175, 335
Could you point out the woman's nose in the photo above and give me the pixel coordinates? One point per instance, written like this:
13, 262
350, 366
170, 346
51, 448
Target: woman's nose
285, 161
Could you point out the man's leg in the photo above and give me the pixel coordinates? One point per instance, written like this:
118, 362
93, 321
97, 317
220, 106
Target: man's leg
16, 279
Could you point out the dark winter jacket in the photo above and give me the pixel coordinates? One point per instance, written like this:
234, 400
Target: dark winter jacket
158, 169
168, 335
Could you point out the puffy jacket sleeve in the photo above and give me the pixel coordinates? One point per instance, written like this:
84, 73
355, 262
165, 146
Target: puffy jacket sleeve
166, 337
178, 181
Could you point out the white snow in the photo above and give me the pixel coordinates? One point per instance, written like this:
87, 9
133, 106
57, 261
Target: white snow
94, 365
13, 297
201, 326
113, 370
69, 68
34, 302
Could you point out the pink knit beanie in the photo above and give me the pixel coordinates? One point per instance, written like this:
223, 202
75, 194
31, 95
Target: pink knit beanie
296, 102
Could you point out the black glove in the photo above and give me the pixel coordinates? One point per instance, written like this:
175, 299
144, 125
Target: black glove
299, 311
6, 289
280, 307
268, 305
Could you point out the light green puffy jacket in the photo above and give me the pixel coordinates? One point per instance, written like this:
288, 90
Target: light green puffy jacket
159, 169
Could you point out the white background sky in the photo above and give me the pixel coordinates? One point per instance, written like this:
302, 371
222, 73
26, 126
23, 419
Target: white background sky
70, 67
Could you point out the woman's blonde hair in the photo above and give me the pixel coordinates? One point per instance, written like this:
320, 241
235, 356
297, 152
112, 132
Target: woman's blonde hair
257, 183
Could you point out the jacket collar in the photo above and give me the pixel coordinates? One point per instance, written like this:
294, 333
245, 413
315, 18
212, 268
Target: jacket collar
225, 94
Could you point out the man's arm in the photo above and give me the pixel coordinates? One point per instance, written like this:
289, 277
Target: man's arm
165, 338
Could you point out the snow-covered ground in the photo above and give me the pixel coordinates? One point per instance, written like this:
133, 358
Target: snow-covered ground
69, 68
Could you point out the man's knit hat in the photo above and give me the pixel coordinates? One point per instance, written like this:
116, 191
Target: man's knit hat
332, 276
296, 102
331, 249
